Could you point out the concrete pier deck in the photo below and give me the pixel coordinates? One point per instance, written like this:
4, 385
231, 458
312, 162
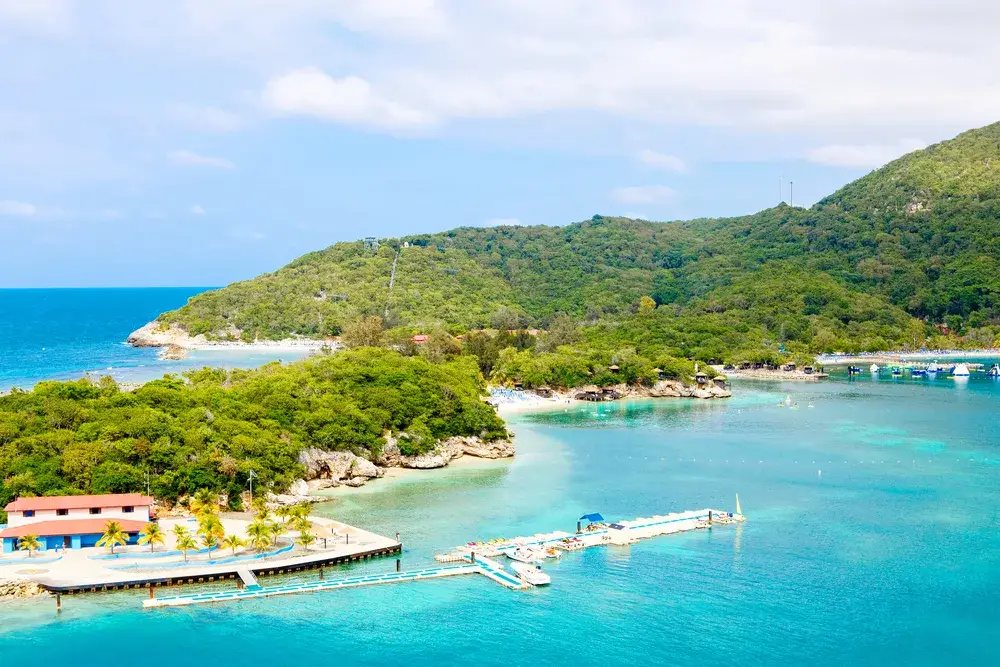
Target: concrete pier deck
94, 570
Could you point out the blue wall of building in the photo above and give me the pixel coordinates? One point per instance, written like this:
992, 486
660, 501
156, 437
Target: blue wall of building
56, 542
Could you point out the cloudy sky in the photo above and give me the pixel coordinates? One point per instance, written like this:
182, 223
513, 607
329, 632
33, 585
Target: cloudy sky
198, 142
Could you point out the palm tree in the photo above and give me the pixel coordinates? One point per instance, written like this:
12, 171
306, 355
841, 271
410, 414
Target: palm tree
300, 511
306, 536
180, 530
113, 535
259, 507
29, 543
277, 530
151, 535
204, 503
186, 543
232, 542
259, 533
283, 512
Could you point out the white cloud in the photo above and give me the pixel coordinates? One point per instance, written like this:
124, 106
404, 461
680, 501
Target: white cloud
351, 100
191, 159
642, 194
661, 160
502, 222
17, 208
867, 155
197, 210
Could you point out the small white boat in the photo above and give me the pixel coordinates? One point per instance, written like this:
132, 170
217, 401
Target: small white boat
523, 555
532, 574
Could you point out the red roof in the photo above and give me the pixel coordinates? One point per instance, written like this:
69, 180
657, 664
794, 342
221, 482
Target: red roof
70, 527
421, 338
79, 502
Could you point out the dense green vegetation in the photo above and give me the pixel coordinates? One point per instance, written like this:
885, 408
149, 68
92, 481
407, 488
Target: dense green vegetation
210, 430
875, 265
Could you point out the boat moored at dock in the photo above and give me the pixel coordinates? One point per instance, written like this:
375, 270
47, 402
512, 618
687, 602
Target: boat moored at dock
532, 574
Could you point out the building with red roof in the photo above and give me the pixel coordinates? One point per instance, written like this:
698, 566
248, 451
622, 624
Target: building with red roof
74, 522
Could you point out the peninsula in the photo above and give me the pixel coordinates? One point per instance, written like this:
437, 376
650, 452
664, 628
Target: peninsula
904, 258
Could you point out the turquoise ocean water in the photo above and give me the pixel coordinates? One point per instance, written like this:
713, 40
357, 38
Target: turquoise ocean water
64, 333
873, 538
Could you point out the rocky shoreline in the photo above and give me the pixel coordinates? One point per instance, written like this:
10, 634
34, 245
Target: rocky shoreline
327, 470
19, 589
175, 341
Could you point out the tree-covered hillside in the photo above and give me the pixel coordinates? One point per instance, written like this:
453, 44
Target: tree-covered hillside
212, 428
876, 264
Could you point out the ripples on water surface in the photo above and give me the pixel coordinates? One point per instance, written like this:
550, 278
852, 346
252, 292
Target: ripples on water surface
872, 539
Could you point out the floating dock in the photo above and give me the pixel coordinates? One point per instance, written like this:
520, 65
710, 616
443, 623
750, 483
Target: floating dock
599, 534
476, 557
483, 566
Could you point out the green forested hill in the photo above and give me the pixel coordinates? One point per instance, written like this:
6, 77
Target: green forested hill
873, 265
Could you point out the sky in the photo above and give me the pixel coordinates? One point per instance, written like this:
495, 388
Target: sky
199, 142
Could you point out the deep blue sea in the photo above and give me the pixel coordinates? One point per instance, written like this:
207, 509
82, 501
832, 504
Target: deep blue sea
66, 333
873, 538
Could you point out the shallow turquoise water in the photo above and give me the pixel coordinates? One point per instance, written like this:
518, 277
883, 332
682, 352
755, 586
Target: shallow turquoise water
872, 539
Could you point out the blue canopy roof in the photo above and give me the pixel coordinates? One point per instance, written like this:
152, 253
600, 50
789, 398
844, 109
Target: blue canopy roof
592, 517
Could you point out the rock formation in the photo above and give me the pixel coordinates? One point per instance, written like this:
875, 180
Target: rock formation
19, 588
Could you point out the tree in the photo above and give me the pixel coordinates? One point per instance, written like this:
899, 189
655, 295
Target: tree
259, 507
232, 542
204, 503
283, 512
646, 305
151, 535
113, 535
363, 332
29, 543
304, 526
180, 531
306, 536
186, 543
259, 534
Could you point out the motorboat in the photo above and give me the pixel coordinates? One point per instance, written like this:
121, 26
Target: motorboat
552, 552
524, 555
532, 574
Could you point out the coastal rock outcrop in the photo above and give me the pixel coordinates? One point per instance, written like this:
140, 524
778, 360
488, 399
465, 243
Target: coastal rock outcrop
19, 588
155, 334
333, 468
458, 446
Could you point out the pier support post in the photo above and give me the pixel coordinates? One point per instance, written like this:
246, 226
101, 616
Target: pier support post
58, 603
710, 518
578, 528
152, 591
397, 565
473, 554
347, 538
321, 574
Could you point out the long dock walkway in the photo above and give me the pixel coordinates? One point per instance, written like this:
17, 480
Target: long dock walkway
474, 558
485, 567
